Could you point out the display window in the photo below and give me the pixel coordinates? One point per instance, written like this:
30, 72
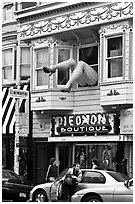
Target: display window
101, 155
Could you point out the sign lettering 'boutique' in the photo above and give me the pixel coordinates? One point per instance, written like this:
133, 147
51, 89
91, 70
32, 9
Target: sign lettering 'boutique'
82, 123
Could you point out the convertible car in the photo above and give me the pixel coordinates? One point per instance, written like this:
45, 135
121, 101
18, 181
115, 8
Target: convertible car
95, 186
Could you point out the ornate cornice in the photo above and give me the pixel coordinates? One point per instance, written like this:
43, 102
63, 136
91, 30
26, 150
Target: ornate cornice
91, 16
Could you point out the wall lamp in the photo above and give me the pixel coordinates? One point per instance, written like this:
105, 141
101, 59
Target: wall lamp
40, 99
113, 92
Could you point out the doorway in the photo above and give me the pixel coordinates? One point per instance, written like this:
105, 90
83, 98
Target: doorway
65, 156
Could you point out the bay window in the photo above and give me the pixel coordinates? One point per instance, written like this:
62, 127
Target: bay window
25, 63
42, 59
114, 59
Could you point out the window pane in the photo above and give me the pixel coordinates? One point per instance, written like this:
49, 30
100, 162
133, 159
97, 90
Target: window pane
25, 63
114, 47
89, 55
42, 58
25, 55
7, 57
7, 73
42, 79
28, 4
63, 75
115, 68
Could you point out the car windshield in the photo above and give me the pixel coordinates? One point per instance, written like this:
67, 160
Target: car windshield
9, 174
118, 176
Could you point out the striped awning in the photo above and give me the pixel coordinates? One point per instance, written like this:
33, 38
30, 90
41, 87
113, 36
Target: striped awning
8, 109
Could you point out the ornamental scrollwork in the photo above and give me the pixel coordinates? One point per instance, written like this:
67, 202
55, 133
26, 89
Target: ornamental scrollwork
88, 17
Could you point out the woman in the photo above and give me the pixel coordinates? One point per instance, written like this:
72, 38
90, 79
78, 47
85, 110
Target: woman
52, 171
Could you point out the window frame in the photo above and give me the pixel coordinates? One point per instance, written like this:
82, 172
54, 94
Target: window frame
39, 68
6, 81
71, 55
106, 59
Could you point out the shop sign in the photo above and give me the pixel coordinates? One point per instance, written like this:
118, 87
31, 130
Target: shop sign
126, 121
17, 93
82, 123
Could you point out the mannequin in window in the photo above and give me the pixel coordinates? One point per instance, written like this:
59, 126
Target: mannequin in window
107, 158
82, 73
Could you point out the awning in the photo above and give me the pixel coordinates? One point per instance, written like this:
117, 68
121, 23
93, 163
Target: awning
8, 109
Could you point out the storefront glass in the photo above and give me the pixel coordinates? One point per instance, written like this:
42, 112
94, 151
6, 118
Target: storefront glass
104, 154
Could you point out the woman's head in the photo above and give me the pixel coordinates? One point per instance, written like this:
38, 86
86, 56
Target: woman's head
52, 160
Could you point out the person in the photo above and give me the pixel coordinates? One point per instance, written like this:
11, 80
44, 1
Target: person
82, 73
76, 174
95, 164
123, 167
52, 171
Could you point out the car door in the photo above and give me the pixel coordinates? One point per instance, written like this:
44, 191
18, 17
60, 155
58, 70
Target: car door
123, 193
92, 179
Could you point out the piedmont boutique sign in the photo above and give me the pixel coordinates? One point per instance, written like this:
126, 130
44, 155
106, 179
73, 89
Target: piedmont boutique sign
82, 123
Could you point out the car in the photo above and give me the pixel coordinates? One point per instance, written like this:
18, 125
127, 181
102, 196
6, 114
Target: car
92, 179
13, 187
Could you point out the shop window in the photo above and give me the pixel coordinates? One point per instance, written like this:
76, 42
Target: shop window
89, 54
63, 75
104, 154
114, 60
8, 12
25, 63
8, 65
42, 59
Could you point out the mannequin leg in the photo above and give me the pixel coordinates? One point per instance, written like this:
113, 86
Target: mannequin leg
62, 65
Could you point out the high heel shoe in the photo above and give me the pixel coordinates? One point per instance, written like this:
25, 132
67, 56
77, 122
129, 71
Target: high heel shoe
66, 89
47, 70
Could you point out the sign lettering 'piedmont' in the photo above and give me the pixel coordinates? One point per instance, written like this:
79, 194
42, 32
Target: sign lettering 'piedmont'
82, 123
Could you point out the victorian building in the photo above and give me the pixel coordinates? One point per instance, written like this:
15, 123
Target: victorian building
92, 121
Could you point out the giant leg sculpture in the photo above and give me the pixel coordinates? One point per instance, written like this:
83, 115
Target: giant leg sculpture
83, 73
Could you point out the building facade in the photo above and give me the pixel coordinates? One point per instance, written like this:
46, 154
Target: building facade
16, 132
90, 121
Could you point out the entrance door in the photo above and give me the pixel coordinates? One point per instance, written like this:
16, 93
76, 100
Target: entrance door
43, 153
65, 157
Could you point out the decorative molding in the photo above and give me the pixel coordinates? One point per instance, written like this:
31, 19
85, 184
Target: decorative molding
91, 16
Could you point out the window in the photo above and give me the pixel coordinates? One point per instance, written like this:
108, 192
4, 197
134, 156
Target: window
8, 70
63, 75
8, 12
114, 57
25, 63
28, 4
89, 54
93, 177
42, 59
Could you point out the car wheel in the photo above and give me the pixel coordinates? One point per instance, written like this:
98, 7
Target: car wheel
93, 198
40, 196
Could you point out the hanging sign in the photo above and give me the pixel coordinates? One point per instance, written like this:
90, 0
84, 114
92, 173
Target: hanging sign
81, 123
18, 93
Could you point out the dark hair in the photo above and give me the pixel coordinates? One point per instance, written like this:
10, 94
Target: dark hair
52, 160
